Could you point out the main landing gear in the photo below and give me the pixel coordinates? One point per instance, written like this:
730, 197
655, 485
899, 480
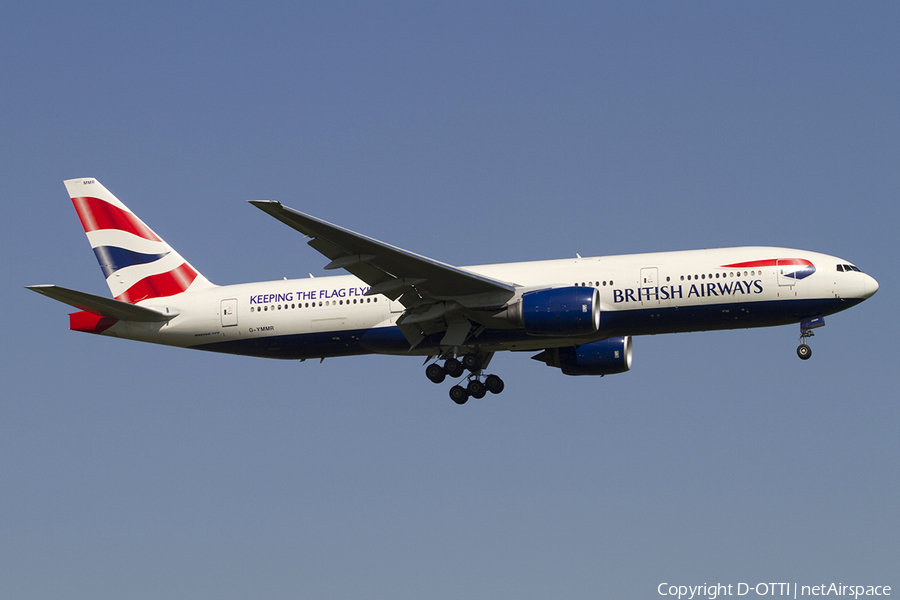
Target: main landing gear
475, 387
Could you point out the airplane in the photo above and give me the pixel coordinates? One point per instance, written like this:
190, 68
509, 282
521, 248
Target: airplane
578, 314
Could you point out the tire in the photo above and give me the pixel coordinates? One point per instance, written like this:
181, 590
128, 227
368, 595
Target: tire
804, 351
476, 389
453, 367
435, 373
494, 384
459, 394
472, 362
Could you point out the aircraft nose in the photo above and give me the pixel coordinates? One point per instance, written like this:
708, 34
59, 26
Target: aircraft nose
869, 287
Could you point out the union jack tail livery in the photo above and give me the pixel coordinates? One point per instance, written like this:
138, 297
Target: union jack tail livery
137, 263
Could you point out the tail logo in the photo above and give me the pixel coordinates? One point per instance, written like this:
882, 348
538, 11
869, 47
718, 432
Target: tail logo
137, 263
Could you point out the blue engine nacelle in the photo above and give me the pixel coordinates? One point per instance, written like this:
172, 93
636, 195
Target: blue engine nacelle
558, 312
606, 357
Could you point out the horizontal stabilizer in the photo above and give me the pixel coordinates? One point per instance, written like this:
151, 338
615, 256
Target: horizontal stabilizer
105, 307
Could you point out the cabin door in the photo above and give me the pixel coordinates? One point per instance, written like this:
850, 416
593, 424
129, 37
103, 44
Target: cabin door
229, 312
786, 269
649, 276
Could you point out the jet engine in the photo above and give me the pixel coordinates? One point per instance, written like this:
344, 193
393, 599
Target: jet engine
557, 312
606, 357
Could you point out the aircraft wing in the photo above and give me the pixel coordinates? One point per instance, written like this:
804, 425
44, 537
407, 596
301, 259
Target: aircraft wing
391, 271
105, 307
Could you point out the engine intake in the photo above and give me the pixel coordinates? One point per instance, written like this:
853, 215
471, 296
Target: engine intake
606, 357
557, 312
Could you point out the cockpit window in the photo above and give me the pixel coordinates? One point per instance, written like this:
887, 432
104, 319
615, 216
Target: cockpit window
848, 268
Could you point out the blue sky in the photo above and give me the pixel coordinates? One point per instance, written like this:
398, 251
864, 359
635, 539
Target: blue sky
470, 133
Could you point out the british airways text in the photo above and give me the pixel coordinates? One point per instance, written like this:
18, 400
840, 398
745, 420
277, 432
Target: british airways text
671, 292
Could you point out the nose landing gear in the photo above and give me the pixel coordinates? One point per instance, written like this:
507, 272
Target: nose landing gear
806, 332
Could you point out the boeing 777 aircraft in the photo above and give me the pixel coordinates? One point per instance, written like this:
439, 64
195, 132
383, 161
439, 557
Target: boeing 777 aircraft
579, 314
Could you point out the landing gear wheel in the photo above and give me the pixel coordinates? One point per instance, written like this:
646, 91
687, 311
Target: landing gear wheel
804, 351
435, 373
459, 394
472, 362
453, 367
476, 389
494, 384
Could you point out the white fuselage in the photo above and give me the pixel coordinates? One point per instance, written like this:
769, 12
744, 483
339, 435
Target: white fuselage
640, 294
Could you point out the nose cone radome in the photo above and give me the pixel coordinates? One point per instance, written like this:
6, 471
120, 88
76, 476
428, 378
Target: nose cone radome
869, 287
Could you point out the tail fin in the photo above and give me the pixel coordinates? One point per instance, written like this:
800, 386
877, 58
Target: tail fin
137, 263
